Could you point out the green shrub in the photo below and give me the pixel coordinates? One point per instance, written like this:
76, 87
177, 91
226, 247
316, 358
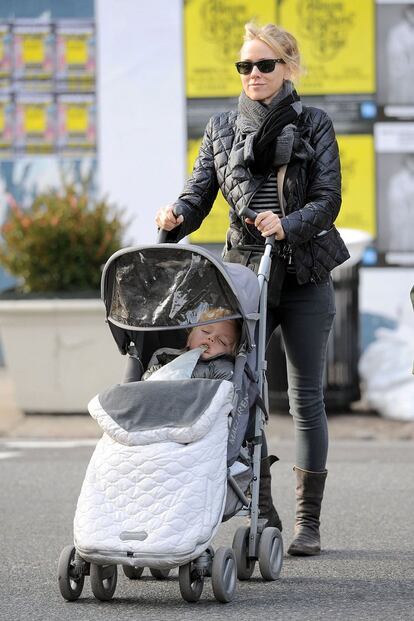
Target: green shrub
61, 243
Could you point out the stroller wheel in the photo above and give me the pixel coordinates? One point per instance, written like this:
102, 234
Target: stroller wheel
245, 565
159, 574
133, 573
224, 575
103, 581
191, 582
70, 579
270, 553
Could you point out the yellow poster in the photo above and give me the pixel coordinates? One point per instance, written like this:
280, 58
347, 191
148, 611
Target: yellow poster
337, 44
77, 119
76, 50
213, 229
358, 191
33, 49
213, 31
35, 118
358, 183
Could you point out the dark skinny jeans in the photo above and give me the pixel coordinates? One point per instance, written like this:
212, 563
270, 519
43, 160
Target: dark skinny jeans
305, 315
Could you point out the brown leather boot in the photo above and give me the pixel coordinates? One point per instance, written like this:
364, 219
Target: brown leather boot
309, 494
266, 507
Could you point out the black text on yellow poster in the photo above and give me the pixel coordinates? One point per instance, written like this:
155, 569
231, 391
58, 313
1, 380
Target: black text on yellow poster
358, 191
358, 183
214, 32
213, 229
336, 40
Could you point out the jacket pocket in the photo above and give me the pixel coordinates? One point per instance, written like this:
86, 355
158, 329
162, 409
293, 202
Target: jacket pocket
328, 251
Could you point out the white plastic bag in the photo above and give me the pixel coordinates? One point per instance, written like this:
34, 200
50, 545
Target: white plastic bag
180, 368
386, 370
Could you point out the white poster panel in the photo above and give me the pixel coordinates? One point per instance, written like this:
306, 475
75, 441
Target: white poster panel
395, 53
394, 143
141, 103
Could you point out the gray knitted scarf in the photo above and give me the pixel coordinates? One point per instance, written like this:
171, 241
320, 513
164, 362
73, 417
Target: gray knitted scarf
252, 117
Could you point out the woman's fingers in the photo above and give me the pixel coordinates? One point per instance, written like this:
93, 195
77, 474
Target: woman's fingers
166, 219
268, 223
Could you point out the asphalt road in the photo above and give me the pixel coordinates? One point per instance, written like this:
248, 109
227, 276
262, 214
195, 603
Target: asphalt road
366, 571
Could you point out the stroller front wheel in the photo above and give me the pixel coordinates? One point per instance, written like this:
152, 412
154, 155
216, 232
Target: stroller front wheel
70, 578
224, 575
103, 581
270, 553
191, 582
245, 565
133, 573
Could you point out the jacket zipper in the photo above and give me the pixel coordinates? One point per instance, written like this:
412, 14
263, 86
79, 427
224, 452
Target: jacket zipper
286, 252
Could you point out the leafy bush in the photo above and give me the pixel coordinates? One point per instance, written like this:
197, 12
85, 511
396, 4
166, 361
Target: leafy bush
61, 242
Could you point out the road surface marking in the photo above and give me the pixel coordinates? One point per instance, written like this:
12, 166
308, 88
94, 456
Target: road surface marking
35, 444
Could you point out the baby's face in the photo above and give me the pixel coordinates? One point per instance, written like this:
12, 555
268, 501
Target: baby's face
218, 338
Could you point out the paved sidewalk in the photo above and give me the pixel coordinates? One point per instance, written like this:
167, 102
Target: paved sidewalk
358, 424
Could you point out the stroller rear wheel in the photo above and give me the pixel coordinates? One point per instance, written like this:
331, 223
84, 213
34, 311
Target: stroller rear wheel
70, 578
245, 565
103, 581
133, 573
191, 582
224, 575
270, 553
159, 574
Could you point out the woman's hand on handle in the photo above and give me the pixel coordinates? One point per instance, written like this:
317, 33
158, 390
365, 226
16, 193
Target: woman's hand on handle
166, 218
268, 223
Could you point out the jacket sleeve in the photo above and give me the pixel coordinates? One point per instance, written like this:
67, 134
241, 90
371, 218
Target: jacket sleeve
200, 190
323, 190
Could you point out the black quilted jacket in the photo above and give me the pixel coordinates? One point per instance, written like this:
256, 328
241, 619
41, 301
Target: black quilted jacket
312, 191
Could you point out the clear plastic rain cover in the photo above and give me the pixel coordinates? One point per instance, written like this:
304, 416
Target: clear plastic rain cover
154, 287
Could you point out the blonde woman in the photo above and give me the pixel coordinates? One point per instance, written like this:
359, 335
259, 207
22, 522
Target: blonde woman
279, 158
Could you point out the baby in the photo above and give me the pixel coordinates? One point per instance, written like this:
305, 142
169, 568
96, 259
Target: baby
220, 340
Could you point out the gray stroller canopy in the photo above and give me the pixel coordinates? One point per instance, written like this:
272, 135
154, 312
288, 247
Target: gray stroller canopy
170, 286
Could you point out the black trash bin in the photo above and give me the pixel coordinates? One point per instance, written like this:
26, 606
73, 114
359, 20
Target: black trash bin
341, 382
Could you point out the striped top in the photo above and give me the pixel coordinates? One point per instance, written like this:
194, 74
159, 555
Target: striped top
266, 197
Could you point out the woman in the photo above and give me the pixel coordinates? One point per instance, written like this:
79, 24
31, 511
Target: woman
281, 159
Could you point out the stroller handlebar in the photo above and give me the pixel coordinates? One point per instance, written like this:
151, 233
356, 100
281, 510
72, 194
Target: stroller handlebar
246, 212
162, 233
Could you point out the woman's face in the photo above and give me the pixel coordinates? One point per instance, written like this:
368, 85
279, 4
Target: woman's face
262, 86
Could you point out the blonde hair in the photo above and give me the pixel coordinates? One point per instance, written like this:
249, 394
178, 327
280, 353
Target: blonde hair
218, 313
215, 313
280, 41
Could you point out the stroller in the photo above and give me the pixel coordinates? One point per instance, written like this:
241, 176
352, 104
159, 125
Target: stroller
177, 457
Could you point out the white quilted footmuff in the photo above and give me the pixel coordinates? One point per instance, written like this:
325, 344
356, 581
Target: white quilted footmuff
155, 488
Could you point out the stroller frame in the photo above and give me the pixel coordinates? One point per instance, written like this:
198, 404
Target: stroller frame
263, 277
257, 541
251, 508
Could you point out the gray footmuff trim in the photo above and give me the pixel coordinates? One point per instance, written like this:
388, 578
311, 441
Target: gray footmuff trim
146, 412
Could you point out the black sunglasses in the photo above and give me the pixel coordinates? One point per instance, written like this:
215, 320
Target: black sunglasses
264, 66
